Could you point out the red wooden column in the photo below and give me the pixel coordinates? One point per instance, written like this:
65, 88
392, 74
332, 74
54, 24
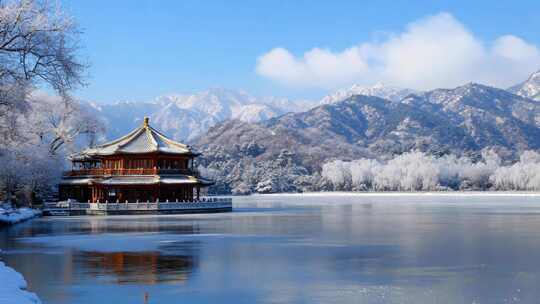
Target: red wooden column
155, 193
120, 194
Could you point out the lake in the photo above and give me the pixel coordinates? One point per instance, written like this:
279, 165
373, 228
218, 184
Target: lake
291, 249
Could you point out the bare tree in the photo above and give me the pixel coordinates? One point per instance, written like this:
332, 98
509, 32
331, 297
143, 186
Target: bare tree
38, 47
59, 121
38, 44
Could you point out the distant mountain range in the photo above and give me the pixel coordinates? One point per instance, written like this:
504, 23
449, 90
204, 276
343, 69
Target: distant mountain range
185, 117
462, 121
252, 143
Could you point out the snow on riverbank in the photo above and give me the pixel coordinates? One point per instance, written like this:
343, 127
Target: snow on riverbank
13, 288
13, 216
12, 284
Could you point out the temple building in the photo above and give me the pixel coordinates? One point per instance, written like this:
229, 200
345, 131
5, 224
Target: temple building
142, 166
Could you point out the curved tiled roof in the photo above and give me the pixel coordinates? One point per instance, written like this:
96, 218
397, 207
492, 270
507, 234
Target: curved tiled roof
144, 139
138, 180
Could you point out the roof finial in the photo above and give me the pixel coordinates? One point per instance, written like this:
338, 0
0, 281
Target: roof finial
146, 120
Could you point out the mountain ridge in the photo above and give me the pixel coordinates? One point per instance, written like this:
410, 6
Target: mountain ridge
462, 121
185, 117
530, 88
379, 90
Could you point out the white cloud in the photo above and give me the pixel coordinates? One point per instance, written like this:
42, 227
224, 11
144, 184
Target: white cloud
437, 51
318, 68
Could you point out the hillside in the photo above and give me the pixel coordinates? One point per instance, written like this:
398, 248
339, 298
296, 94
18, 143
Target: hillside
462, 121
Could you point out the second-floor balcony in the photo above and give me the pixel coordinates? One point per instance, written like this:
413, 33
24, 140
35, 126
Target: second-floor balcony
137, 171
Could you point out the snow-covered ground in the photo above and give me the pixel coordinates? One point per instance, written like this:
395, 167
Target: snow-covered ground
13, 288
12, 284
13, 216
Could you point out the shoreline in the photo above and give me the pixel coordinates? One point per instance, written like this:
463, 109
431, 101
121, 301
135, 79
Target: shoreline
15, 216
13, 287
408, 193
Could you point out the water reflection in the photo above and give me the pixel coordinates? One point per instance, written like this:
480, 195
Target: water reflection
136, 267
302, 250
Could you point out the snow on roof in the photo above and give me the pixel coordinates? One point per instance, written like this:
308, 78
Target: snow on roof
144, 139
137, 180
75, 181
130, 180
182, 179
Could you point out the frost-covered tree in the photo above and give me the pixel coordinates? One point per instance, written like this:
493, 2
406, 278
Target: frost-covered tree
339, 173
417, 171
58, 122
38, 48
363, 173
11, 173
38, 45
38, 42
523, 175
248, 175
409, 171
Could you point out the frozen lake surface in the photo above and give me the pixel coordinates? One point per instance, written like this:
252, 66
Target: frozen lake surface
291, 249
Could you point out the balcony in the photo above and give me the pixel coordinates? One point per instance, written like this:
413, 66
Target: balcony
138, 171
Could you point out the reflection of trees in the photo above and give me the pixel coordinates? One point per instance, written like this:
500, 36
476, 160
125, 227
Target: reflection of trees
150, 267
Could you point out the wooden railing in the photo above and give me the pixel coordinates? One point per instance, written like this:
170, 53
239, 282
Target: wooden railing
203, 202
139, 171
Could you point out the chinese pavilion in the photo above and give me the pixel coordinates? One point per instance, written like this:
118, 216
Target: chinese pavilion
143, 166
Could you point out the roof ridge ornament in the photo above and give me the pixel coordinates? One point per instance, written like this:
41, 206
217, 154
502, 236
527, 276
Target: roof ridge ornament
143, 139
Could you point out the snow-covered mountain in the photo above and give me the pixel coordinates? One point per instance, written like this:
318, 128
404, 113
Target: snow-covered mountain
378, 90
463, 121
185, 117
530, 88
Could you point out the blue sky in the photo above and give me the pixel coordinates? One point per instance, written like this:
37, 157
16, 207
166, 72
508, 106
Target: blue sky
141, 49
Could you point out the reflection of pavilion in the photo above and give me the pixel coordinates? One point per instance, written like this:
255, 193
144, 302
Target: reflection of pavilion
150, 267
